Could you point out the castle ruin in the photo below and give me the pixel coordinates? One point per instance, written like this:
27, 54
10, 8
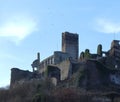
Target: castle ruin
98, 69
70, 51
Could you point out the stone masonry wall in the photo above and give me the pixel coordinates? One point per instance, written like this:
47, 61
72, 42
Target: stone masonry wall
65, 68
17, 75
70, 44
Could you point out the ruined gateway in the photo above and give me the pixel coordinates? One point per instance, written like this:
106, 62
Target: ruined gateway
94, 70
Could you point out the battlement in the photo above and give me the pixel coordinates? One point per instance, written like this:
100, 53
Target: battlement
70, 36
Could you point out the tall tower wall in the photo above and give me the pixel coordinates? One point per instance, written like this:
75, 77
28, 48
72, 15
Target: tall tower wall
70, 44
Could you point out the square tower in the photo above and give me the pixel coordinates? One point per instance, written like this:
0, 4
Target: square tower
70, 44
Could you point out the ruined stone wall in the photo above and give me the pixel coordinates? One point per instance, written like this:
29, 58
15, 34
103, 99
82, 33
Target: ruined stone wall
55, 59
18, 75
60, 57
115, 48
70, 44
65, 68
93, 76
53, 72
45, 63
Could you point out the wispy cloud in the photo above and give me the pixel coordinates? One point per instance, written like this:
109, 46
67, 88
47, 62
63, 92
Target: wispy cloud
106, 26
17, 27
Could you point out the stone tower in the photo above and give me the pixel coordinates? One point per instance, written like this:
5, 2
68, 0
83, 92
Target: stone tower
70, 44
115, 48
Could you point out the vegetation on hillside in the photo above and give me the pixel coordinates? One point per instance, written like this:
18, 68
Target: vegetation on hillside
45, 91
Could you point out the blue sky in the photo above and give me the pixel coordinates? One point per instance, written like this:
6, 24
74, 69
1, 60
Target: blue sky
31, 26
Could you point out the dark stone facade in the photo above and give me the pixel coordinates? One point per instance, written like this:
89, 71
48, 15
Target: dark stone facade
18, 75
53, 71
